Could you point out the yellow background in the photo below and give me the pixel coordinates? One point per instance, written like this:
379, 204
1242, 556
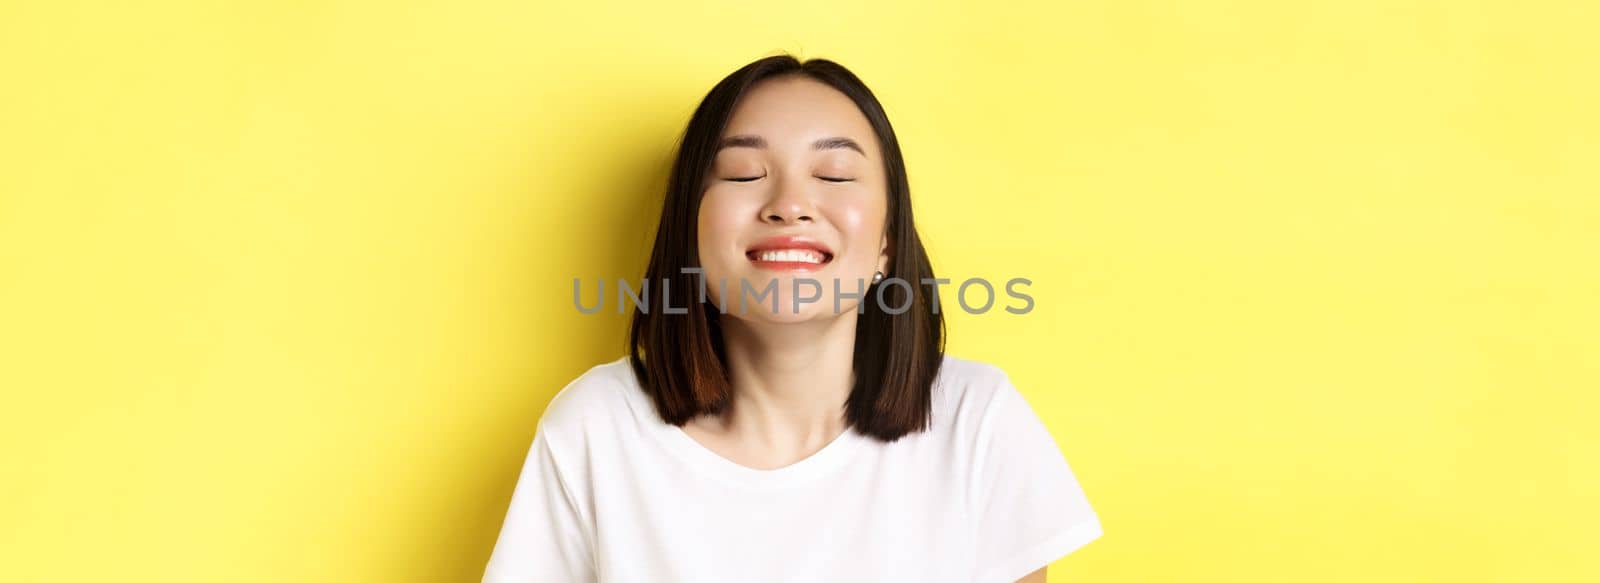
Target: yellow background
285, 286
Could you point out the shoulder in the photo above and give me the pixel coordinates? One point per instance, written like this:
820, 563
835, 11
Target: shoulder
967, 391
966, 372
595, 397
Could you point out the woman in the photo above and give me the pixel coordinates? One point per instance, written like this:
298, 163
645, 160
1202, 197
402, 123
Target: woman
813, 432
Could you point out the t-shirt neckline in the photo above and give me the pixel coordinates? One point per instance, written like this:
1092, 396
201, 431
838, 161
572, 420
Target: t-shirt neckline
709, 463
819, 463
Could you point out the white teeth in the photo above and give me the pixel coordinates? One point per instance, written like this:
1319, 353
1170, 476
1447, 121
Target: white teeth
790, 255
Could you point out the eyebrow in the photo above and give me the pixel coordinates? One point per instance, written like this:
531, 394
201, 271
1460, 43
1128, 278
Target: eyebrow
749, 141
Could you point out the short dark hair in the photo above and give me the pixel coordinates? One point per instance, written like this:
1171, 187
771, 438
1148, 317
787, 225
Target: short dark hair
679, 358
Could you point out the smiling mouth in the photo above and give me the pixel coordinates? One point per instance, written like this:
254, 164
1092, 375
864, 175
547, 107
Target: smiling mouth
790, 257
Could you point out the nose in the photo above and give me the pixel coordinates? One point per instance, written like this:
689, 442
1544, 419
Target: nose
789, 204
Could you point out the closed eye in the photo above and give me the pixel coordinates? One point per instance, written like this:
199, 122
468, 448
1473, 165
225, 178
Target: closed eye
835, 179
743, 178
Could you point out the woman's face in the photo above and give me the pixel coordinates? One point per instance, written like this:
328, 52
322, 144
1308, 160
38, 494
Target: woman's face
790, 196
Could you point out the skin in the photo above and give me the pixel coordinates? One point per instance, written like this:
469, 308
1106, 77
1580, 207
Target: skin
791, 371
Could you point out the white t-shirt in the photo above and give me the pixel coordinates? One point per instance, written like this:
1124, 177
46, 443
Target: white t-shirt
610, 492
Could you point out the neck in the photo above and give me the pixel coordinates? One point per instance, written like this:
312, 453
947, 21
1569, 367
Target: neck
790, 381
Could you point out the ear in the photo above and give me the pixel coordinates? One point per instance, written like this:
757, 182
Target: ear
883, 255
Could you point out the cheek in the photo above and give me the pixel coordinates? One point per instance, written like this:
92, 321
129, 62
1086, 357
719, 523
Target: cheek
717, 226
861, 220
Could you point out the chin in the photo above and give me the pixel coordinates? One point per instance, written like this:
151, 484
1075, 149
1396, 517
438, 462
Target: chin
810, 312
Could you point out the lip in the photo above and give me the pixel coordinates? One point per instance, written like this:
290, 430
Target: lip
786, 242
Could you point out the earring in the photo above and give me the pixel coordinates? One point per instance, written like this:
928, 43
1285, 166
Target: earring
877, 277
